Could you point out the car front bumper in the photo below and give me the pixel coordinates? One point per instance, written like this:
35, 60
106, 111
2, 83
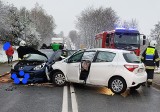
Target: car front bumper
34, 76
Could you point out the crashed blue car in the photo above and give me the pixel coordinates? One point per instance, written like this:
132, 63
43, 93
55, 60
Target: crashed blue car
38, 66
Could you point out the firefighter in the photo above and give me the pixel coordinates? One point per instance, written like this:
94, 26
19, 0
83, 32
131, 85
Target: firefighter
24, 49
150, 59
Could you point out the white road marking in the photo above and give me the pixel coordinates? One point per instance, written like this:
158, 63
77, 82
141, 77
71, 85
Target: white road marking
156, 89
73, 99
65, 99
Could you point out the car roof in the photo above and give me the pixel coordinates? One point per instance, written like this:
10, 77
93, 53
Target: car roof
109, 50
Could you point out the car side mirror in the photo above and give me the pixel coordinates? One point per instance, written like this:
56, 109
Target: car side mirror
69, 61
144, 39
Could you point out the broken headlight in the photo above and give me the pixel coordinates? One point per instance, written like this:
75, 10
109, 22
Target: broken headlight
39, 67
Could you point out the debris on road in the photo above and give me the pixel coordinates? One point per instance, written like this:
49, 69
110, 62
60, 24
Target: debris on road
126, 93
40, 84
10, 88
105, 91
6, 79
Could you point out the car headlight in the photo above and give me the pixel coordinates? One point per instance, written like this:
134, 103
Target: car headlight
39, 67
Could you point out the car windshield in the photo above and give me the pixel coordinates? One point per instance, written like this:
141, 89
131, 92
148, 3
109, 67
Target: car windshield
35, 57
127, 38
131, 58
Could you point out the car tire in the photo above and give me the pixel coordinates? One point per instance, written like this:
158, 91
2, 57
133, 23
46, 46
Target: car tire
135, 87
59, 79
117, 85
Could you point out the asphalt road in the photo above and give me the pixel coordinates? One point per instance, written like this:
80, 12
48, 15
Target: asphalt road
94, 99
80, 98
20, 98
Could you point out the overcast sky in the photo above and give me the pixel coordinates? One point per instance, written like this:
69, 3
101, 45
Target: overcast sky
146, 12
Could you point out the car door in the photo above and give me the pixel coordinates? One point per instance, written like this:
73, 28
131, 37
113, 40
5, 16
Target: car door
102, 67
86, 62
73, 66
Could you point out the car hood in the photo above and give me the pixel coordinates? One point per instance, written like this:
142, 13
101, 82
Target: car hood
30, 50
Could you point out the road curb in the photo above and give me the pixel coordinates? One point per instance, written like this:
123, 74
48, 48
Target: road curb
4, 74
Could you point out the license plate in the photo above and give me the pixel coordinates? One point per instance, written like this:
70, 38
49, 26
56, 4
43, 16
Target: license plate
20, 79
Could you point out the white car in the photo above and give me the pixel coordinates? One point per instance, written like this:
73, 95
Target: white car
116, 69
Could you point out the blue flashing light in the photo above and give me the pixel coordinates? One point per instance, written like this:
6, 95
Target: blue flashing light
126, 30
120, 28
132, 29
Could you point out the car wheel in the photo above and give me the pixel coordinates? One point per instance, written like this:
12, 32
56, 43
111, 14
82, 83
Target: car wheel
135, 87
59, 79
117, 85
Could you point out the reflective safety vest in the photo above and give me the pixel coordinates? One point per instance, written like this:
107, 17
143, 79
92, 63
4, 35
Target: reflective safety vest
150, 58
150, 52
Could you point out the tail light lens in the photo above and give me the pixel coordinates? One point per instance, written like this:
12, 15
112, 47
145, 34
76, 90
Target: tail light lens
131, 67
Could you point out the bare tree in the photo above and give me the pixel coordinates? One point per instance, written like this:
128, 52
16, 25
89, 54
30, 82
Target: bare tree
44, 23
155, 34
75, 38
92, 21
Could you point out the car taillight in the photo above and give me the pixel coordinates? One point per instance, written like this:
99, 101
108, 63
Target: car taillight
131, 67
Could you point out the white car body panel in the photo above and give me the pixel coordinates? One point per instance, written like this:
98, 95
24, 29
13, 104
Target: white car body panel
100, 73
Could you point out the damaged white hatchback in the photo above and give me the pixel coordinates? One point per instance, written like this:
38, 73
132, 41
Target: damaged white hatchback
116, 69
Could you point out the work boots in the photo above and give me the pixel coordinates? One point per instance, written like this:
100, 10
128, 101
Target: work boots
149, 82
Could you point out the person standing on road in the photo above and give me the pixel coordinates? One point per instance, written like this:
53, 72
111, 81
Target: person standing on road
150, 59
9, 54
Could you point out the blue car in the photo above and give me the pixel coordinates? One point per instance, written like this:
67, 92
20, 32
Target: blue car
38, 66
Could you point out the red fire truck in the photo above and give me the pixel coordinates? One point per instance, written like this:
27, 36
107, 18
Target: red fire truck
120, 38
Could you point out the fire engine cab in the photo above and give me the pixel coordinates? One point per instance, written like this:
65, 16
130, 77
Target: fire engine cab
120, 38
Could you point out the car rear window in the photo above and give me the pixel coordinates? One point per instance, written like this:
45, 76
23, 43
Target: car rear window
131, 58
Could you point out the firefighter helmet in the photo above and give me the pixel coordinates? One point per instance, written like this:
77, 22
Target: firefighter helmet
22, 43
153, 43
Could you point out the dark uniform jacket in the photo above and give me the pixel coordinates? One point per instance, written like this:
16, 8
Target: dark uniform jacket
23, 50
150, 58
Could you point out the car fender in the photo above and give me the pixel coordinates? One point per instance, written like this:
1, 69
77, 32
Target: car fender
60, 66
